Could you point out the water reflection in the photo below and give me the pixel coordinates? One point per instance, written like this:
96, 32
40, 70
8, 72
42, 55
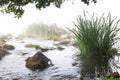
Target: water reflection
94, 66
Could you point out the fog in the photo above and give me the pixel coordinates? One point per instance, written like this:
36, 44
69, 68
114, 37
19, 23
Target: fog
62, 17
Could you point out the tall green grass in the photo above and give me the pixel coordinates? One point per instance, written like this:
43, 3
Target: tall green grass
97, 35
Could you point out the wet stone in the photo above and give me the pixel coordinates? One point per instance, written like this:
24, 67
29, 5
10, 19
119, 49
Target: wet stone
74, 64
8, 47
60, 48
3, 53
37, 62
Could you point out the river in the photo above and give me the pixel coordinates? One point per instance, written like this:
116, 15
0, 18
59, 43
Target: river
12, 67
67, 63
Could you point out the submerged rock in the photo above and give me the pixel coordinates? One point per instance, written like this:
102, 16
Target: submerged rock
45, 49
38, 62
3, 53
8, 47
60, 48
24, 53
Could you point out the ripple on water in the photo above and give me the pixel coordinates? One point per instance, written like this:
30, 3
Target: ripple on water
12, 67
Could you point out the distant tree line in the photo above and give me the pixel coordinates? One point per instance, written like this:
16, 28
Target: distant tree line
44, 31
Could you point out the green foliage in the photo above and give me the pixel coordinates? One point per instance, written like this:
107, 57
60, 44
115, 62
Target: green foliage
111, 78
43, 31
88, 1
97, 35
16, 6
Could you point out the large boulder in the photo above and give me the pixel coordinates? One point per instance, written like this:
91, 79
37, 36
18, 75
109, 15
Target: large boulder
38, 62
3, 53
8, 47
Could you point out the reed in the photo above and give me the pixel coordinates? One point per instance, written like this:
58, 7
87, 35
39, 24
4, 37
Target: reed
97, 35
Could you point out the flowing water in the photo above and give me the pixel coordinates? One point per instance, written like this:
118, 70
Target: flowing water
66, 65
12, 67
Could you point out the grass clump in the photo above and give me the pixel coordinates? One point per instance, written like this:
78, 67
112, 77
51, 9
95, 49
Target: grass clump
97, 35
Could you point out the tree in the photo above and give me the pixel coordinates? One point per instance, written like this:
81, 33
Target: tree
16, 6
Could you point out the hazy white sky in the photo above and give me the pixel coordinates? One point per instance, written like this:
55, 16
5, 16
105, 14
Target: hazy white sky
62, 17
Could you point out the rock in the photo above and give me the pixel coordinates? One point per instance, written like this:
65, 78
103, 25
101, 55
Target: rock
74, 64
64, 42
60, 48
113, 74
3, 53
64, 36
33, 46
38, 62
73, 43
24, 53
8, 47
37, 47
6, 37
2, 42
41, 48
45, 49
